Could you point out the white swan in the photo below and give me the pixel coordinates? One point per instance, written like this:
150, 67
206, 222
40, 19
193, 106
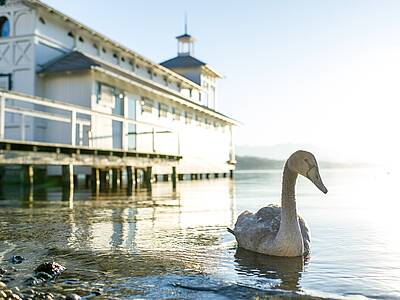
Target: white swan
272, 233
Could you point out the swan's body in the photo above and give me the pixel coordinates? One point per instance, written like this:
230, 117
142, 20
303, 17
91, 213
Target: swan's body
251, 229
280, 231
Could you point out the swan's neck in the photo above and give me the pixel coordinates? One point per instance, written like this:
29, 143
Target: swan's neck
289, 211
289, 235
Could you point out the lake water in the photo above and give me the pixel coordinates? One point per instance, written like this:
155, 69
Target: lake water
167, 244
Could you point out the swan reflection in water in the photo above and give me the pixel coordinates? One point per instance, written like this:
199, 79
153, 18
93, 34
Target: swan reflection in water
284, 272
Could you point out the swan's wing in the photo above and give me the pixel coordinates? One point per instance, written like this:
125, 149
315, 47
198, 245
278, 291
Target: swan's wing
305, 232
271, 215
253, 229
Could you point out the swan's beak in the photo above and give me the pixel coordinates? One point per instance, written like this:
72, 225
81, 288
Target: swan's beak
313, 175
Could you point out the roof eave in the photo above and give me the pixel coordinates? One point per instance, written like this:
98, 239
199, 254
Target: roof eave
106, 39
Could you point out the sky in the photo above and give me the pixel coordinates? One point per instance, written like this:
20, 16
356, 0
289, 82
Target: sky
325, 74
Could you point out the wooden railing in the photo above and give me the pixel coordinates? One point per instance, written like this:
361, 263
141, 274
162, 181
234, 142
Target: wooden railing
77, 118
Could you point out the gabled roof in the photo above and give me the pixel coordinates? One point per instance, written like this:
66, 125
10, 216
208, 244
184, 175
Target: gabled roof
73, 61
182, 61
187, 61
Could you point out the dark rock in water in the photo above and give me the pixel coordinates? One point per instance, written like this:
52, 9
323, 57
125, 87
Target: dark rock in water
73, 297
52, 268
17, 259
2, 271
44, 276
31, 281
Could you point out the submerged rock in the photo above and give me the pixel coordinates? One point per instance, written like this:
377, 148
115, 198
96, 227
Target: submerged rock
17, 259
51, 268
2, 271
45, 272
73, 297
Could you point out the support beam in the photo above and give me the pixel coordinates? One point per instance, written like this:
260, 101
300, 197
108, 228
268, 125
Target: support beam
116, 179
87, 181
68, 176
104, 179
173, 178
129, 178
147, 178
2, 116
136, 178
27, 175
96, 180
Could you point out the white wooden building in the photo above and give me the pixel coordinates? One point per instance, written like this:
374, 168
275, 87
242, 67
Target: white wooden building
46, 54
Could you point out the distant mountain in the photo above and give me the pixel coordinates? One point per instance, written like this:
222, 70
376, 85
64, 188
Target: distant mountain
257, 163
283, 151
261, 163
276, 152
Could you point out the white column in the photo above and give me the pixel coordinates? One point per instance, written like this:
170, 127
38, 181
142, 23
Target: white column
125, 125
2, 116
73, 128
23, 134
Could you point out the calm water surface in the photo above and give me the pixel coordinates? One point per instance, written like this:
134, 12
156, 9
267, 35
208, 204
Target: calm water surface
175, 245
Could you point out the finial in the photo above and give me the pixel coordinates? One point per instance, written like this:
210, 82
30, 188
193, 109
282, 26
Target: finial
186, 22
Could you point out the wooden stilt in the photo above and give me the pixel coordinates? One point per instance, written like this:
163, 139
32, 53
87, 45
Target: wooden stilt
173, 178
129, 179
147, 178
115, 179
95, 180
136, 178
68, 176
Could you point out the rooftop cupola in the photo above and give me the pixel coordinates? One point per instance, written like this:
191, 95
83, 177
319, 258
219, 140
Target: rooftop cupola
185, 43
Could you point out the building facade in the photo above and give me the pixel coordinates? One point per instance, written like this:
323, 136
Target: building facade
172, 105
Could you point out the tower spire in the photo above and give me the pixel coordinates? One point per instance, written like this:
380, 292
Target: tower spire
186, 22
185, 41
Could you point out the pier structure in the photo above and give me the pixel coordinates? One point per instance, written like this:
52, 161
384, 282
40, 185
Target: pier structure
75, 103
107, 166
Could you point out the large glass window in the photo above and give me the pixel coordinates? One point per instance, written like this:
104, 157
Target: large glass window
147, 105
4, 27
111, 97
162, 110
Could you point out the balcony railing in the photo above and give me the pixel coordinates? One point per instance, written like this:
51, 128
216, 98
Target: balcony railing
29, 118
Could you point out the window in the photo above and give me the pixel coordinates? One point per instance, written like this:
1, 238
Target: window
176, 114
199, 120
5, 81
147, 105
4, 27
112, 97
41, 20
188, 117
162, 110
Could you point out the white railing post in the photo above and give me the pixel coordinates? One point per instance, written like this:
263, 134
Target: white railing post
2, 116
73, 128
153, 135
23, 134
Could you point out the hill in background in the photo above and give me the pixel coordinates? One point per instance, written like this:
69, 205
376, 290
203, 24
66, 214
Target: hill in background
260, 163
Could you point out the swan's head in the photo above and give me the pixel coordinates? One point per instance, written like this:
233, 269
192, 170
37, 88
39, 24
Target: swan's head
304, 163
